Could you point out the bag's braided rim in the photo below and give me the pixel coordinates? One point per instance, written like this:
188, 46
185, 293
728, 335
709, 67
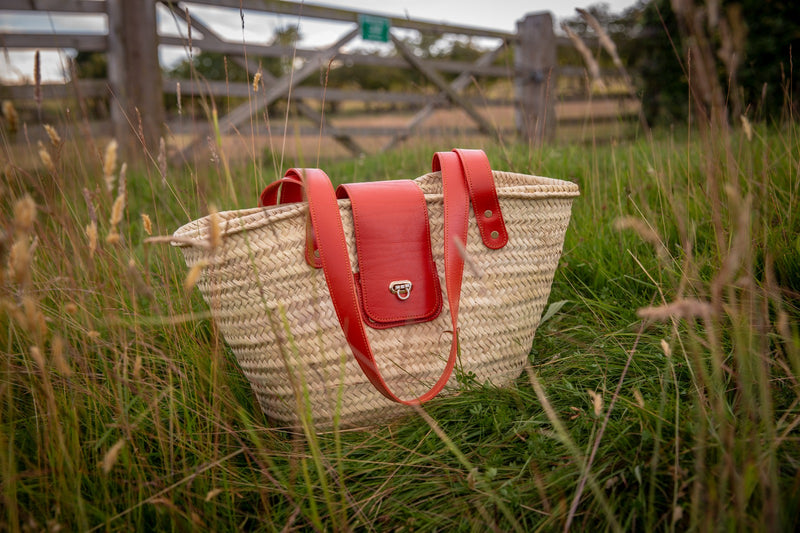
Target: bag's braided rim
509, 185
275, 313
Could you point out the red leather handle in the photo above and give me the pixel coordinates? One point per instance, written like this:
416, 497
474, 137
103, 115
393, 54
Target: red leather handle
475, 169
464, 176
482, 193
325, 217
289, 190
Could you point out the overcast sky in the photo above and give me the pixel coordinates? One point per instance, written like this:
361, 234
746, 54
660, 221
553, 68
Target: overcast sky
498, 15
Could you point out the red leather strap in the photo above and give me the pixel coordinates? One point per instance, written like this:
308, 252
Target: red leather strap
478, 175
484, 197
456, 220
477, 172
286, 190
325, 217
466, 175
289, 190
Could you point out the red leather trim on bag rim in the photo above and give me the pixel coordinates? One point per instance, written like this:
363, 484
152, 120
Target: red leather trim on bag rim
393, 245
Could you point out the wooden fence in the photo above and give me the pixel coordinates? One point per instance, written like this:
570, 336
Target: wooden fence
135, 86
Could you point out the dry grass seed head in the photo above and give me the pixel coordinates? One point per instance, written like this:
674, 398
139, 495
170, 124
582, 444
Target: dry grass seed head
256, 80
35, 322
645, 232
588, 58
665, 348
117, 210
602, 36
113, 236
162, 159
747, 127
597, 402
38, 358
212, 493
47, 161
24, 216
140, 130
110, 164
87, 196
137, 367
11, 309
147, 224
11, 116
111, 456
637, 395
212, 148
469, 261
91, 233
687, 308
193, 275
59, 359
55, 138
123, 179
19, 262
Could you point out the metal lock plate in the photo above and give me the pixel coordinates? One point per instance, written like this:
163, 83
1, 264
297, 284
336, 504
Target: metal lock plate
401, 288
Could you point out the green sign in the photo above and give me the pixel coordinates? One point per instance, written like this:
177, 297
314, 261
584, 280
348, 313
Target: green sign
374, 28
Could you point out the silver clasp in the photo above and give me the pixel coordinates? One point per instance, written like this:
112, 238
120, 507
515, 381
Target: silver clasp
401, 288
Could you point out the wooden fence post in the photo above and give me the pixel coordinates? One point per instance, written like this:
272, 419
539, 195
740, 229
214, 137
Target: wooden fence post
134, 76
537, 75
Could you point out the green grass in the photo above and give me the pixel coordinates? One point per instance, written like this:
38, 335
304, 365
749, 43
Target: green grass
687, 419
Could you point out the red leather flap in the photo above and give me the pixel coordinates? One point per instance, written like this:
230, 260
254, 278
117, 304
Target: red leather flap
397, 278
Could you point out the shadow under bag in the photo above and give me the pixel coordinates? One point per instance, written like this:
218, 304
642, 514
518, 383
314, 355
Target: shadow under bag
343, 307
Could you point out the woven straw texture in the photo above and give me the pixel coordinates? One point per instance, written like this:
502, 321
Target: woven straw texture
275, 313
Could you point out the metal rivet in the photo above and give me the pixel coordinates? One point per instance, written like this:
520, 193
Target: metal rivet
488, 213
316, 254
495, 235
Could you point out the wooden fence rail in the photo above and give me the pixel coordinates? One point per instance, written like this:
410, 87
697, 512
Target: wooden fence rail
135, 86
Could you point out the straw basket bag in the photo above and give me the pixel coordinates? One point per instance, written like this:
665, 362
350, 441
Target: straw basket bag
345, 307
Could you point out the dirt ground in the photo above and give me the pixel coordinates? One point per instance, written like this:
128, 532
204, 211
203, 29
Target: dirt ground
298, 139
295, 137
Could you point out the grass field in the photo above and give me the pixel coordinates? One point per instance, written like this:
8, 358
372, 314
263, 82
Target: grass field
662, 392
